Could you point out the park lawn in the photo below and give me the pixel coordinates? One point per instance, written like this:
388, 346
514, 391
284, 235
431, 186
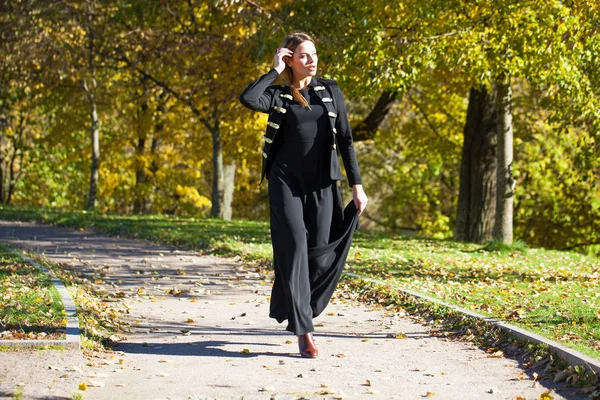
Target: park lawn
555, 294
30, 305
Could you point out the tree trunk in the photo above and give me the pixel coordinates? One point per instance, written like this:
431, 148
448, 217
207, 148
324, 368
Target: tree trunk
229, 179
505, 190
141, 177
141, 171
3, 188
159, 127
95, 123
13, 177
218, 181
477, 191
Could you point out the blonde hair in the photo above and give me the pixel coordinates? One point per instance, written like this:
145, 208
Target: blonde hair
291, 41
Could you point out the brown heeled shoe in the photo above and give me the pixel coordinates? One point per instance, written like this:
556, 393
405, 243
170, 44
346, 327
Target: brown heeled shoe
307, 346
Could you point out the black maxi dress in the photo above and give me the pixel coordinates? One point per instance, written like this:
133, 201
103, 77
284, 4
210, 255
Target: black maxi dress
310, 231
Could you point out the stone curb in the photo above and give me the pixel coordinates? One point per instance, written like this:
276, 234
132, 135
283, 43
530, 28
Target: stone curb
570, 356
72, 340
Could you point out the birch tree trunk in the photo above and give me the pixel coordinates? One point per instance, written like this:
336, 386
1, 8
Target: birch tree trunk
229, 180
95, 123
503, 226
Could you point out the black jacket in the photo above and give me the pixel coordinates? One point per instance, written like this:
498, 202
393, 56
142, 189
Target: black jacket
263, 96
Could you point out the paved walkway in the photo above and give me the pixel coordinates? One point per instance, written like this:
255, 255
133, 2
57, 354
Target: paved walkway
213, 338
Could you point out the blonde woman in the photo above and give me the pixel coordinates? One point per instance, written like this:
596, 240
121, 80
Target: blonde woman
311, 231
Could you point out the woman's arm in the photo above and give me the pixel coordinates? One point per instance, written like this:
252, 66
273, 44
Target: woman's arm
258, 94
344, 139
346, 147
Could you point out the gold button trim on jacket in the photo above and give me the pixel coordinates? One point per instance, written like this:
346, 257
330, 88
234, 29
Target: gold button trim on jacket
264, 154
267, 140
286, 96
273, 125
332, 114
334, 131
334, 146
317, 88
327, 100
280, 109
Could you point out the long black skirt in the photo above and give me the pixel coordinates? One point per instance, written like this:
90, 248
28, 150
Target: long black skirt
311, 235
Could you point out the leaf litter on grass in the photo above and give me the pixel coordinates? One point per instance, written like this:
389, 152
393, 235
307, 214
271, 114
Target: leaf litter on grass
30, 305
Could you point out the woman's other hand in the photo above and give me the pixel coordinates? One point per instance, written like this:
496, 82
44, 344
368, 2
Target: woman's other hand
278, 62
360, 198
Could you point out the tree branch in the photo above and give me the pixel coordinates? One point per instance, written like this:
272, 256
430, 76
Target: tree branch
367, 129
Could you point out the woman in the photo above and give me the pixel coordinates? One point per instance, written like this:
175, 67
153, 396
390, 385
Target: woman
310, 231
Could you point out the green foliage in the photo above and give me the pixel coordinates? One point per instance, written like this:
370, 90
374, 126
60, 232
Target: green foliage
414, 161
167, 77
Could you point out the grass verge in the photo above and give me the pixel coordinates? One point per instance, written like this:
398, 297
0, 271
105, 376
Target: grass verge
30, 306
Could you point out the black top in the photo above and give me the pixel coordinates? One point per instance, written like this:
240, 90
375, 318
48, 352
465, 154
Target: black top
305, 146
261, 95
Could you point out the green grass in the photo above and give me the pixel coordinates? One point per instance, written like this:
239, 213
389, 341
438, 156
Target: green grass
555, 294
30, 306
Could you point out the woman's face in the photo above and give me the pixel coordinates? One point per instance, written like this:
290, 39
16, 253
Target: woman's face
304, 60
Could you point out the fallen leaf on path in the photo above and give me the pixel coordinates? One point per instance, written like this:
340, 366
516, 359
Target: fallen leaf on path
324, 392
397, 335
163, 374
430, 394
288, 342
545, 396
246, 351
190, 320
82, 386
367, 383
496, 354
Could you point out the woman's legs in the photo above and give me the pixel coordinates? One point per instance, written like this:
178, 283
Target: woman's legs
291, 289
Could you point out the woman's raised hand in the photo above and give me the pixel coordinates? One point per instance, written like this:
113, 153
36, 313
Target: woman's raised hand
278, 62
